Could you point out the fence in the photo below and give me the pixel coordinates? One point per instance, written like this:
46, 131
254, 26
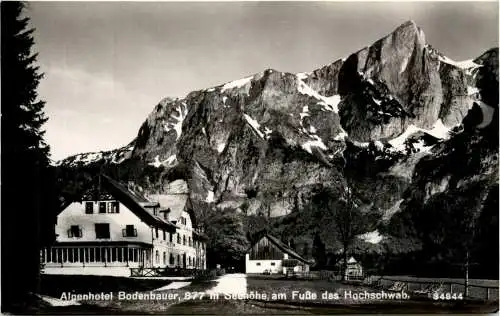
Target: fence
412, 284
175, 272
315, 275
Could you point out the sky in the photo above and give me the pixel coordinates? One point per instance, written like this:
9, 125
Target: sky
107, 64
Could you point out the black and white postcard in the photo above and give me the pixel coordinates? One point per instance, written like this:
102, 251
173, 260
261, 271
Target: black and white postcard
249, 157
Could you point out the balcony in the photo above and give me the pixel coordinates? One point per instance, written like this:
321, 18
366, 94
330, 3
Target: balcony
129, 232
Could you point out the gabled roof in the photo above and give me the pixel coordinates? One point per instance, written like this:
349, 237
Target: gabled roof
135, 202
283, 247
174, 204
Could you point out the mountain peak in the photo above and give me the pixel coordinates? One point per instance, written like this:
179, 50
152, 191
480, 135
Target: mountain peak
408, 24
408, 30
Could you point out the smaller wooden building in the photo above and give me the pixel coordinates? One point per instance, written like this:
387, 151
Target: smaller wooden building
269, 254
354, 270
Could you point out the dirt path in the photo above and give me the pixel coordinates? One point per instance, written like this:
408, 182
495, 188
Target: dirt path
235, 283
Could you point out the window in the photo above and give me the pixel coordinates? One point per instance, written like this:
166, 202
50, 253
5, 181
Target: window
89, 207
164, 235
184, 240
114, 207
102, 207
157, 256
171, 236
189, 260
273, 263
178, 260
75, 231
178, 238
190, 242
101, 231
164, 258
257, 264
156, 229
129, 231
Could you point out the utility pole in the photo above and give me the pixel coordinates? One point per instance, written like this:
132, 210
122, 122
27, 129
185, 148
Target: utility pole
466, 266
466, 291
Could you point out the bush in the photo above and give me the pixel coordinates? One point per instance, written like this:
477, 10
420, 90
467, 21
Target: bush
203, 275
220, 272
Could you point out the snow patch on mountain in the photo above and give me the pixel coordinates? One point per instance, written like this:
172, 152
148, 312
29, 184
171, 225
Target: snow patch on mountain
92, 157
327, 103
156, 163
465, 64
392, 210
373, 237
179, 119
472, 90
221, 147
332, 103
254, 124
210, 197
303, 75
236, 84
304, 113
267, 132
342, 135
439, 131
378, 144
317, 142
404, 64
420, 146
378, 102
170, 161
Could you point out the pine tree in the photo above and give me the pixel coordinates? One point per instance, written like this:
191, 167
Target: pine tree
24, 158
318, 251
305, 250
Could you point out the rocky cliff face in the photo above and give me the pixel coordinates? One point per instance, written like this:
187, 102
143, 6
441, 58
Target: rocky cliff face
269, 140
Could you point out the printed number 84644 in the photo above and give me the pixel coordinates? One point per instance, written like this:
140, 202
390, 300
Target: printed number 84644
447, 296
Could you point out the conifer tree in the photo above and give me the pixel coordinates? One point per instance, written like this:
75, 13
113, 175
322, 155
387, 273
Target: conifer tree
25, 161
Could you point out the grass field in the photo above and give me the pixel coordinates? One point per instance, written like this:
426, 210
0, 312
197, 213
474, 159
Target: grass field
477, 288
472, 282
151, 306
53, 285
288, 287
